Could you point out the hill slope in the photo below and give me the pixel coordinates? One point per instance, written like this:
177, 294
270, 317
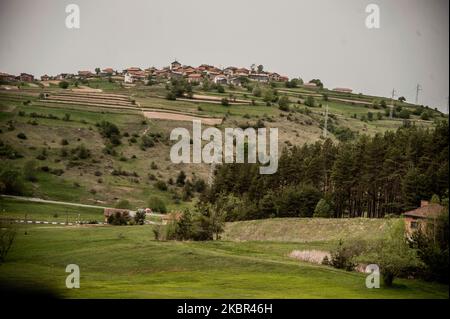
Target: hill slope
306, 229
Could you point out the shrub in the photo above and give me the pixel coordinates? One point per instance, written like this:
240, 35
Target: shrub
42, 155
80, 152
310, 101
63, 84
283, 103
432, 248
161, 185
11, 182
181, 178
393, 254
139, 218
22, 136
157, 205
323, 209
199, 185
110, 131
119, 218
29, 171
342, 257
225, 102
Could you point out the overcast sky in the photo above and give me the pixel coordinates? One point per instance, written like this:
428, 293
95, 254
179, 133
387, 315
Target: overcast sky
324, 39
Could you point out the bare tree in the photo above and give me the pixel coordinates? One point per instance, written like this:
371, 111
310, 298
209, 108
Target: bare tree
7, 236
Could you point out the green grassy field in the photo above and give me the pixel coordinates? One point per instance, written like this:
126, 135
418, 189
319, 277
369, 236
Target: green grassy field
126, 262
18, 209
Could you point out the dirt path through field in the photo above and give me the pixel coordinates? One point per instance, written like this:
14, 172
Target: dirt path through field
181, 117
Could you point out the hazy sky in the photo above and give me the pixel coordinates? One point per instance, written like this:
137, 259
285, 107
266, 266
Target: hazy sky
324, 39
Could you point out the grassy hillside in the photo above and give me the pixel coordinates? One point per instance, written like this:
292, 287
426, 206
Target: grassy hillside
125, 262
306, 229
46, 115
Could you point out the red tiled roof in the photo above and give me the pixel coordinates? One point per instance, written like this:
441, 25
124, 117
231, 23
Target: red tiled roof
427, 211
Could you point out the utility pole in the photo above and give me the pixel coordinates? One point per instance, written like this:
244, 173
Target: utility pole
392, 104
325, 131
418, 88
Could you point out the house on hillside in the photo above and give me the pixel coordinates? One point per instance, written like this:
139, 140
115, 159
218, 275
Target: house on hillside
242, 72
310, 85
419, 218
343, 90
5, 77
45, 77
194, 78
273, 76
220, 79
128, 78
175, 65
260, 77
175, 75
85, 74
229, 70
235, 80
25, 77
107, 72
132, 75
64, 76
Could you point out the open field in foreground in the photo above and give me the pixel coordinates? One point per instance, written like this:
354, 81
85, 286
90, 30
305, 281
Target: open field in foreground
121, 262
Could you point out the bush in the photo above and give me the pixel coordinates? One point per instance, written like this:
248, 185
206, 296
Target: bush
157, 205
119, 218
404, 114
323, 209
181, 178
393, 254
11, 182
310, 101
63, 84
342, 257
29, 171
161, 185
432, 248
283, 103
225, 102
22, 136
110, 131
80, 152
139, 218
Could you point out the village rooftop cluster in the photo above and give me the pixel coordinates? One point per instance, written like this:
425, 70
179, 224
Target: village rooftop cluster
229, 75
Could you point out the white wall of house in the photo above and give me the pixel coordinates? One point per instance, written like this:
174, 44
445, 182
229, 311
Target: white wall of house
128, 78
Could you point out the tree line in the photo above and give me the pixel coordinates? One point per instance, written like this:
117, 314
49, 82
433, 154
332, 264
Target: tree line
385, 174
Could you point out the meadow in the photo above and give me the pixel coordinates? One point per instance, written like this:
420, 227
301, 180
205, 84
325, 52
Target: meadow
126, 262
